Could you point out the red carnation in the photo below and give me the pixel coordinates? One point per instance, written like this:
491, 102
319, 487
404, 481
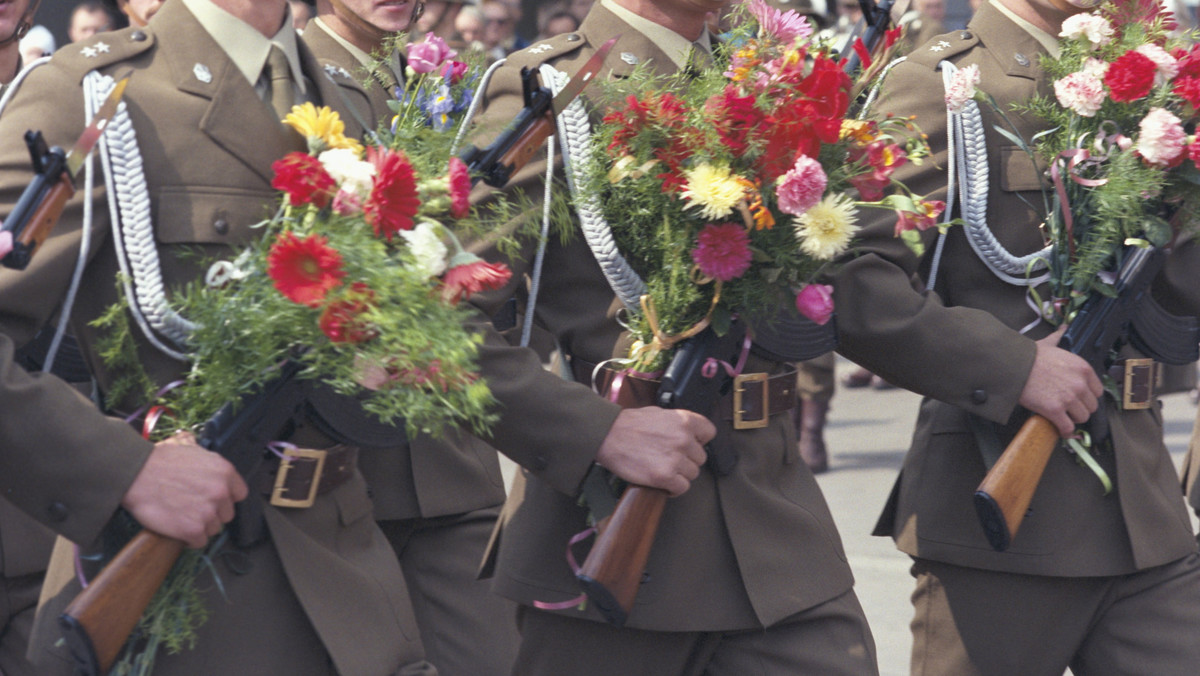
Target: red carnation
342, 320
304, 180
462, 280
1188, 89
394, 200
1130, 77
460, 188
722, 251
304, 270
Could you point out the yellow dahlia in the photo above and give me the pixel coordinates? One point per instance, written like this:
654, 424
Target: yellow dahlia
714, 190
825, 230
322, 127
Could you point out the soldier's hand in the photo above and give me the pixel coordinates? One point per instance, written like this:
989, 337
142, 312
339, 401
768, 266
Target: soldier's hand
1062, 387
657, 447
184, 491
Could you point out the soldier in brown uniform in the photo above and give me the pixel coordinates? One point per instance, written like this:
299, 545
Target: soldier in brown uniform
323, 594
437, 500
1102, 584
747, 574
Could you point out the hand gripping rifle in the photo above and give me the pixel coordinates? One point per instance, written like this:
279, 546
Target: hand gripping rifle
99, 621
1004, 496
612, 572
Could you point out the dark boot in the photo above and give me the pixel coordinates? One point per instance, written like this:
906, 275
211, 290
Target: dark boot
809, 418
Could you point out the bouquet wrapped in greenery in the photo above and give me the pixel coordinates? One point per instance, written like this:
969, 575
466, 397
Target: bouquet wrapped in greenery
359, 273
1121, 149
728, 191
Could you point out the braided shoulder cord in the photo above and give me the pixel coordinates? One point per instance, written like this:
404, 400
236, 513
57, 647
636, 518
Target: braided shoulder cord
576, 131
133, 233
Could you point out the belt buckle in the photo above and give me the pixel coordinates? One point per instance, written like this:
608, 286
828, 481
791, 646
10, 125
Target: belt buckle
285, 466
740, 423
1138, 392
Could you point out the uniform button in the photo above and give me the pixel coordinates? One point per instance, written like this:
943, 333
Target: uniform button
574, 37
138, 36
979, 397
966, 35
221, 226
540, 463
57, 511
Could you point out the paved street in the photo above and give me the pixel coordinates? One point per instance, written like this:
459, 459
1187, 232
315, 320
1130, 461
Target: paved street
868, 433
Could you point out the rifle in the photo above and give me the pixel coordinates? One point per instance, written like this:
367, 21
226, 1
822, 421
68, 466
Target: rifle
612, 572
99, 621
1005, 493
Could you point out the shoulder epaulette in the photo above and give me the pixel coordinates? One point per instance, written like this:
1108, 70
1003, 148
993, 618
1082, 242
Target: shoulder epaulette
943, 47
104, 49
546, 50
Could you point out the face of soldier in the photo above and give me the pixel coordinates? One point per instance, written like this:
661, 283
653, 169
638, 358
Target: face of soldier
140, 11
389, 16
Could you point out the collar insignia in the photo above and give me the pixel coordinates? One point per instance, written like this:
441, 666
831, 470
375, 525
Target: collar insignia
1022, 60
202, 73
629, 58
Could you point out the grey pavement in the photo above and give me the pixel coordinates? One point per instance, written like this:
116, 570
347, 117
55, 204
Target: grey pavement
867, 434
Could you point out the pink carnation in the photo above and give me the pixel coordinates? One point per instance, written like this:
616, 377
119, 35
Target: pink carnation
722, 251
1081, 91
815, 301
961, 88
1162, 137
802, 187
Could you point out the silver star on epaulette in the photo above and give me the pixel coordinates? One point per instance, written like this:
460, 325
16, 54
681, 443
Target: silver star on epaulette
538, 49
941, 44
102, 47
90, 52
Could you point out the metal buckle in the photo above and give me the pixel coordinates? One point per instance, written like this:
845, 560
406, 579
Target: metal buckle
1138, 392
740, 423
285, 466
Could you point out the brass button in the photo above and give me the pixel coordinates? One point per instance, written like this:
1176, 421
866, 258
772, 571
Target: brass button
966, 35
574, 37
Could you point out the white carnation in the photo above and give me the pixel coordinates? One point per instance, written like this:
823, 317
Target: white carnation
427, 248
1097, 29
352, 174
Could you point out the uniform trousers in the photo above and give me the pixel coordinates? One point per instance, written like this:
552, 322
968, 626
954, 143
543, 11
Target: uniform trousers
831, 639
18, 604
814, 378
972, 622
465, 628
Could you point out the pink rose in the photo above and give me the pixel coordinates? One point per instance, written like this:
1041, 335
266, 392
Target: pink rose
453, 71
815, 301
1162, 138
425, 57
802, 187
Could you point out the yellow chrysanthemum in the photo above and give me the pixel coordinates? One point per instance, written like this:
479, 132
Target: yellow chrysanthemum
714, 190
323, 128
859, 131
825, 230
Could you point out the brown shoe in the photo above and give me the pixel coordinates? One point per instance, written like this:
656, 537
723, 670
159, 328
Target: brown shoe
810, 432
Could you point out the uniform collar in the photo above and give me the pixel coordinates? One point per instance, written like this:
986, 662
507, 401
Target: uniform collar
674, 45
362, 57
1048, 41
244, 45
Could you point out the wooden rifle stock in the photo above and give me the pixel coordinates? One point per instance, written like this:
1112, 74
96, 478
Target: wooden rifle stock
613, 570
1005, 493
100, 619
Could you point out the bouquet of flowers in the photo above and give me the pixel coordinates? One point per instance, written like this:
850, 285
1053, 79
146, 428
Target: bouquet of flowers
1122, 160
359, 273
729, 191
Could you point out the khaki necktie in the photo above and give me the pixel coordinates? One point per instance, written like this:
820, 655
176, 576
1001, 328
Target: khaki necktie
280, 93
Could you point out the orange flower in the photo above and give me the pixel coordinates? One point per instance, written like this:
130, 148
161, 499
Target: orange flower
304, 270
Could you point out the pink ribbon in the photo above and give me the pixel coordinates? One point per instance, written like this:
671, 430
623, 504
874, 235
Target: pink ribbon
713, 365
575, 568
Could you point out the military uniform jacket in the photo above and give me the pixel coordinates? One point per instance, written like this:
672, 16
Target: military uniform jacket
959, 346
207, 143
422, 477
736, 552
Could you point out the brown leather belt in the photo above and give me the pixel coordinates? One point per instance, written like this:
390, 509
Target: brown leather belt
1137, 382
297, 480
754, 398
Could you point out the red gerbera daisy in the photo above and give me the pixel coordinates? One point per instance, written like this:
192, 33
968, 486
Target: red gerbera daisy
476, 275
304, 270
394, 200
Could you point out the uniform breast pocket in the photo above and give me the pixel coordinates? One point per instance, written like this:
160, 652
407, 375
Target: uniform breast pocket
1019, 173
218, 215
